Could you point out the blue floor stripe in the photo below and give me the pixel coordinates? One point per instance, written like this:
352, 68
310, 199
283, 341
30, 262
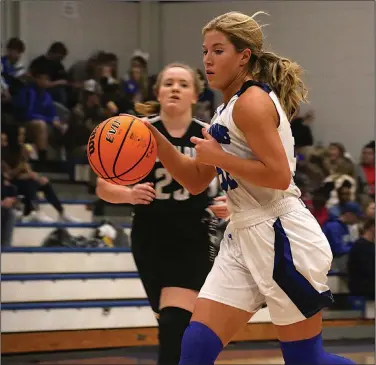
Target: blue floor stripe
39, 249
70, 276
76, 304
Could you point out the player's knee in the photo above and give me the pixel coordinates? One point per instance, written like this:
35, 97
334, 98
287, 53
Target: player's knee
310, 352
200, 345
172, 323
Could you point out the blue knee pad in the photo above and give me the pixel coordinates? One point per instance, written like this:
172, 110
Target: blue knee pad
200, 345
310, 352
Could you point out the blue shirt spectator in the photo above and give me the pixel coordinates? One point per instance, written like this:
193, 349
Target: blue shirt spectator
12, 69
34, 103
337, 229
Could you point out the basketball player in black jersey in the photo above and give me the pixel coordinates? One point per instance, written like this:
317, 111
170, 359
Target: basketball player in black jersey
170, 235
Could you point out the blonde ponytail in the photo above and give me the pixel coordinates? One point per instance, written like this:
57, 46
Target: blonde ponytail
284, 77
148, 108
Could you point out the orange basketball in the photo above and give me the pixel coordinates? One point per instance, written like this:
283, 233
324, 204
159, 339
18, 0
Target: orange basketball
122, 150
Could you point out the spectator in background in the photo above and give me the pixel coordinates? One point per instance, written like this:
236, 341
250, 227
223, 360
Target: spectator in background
338, 179
136, 84
344, 196
319, 209
205, 107
8, 214
361, 263
87, 114
338, 233
113, 62
367, 164
35, 107
336, 157
141, 59
15, 164
301, 130
370, 210
12, 70
310, 168
51, 64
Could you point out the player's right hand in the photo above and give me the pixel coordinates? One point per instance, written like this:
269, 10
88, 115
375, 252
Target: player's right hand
159, 137
142, 193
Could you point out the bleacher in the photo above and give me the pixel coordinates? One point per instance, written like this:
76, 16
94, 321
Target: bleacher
64, 298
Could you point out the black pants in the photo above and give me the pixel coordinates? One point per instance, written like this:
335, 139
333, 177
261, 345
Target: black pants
29, 188
170, 255
8, 221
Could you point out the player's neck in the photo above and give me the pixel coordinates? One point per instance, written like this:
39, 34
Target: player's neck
234, 87
176, 121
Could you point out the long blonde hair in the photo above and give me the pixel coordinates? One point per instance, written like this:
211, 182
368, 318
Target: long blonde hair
281, 74
153, 107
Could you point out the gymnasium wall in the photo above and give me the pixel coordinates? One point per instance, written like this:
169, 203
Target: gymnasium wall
111, 26
333, 40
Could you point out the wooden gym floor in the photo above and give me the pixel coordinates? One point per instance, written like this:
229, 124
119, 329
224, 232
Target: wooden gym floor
360, 351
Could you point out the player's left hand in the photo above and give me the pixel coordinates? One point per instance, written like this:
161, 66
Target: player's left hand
208, 150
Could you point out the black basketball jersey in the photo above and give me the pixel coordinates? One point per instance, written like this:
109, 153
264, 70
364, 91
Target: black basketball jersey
173, 200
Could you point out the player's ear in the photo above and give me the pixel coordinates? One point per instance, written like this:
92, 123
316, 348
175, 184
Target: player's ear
246, 56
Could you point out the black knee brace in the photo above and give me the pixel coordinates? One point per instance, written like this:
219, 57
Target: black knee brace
172, 323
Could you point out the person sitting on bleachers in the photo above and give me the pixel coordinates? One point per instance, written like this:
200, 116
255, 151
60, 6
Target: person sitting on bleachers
8, 214
35, 107
12, 70
344, 196
337, 158
361, 263
370, 210
51, 64
85, 116
367, 167
14, 163
337, 232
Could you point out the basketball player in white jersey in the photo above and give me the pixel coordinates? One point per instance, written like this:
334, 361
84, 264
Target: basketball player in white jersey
274, 250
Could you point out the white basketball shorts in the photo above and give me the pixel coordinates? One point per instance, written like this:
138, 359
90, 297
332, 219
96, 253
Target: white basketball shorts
282, 261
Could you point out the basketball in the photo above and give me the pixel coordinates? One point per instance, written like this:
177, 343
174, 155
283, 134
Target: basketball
122, 150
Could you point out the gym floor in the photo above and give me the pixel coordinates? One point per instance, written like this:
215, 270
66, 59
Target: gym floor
360, 351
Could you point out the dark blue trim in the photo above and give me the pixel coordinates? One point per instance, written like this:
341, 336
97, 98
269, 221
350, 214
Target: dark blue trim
76, 304
64, 225
70, 201
250, 83
70, 276
39, 249
223, 108
300, 291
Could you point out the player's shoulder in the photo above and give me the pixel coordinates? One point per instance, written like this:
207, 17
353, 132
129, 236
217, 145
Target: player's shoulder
255, 101
153, 118
200, 123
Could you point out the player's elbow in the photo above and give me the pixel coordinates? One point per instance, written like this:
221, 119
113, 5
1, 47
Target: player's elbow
282, 180
196, 189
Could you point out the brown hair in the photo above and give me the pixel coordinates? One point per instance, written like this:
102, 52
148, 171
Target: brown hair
153, 107
280, 73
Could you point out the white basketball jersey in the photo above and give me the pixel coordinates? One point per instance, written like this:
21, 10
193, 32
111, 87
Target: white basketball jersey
242, 195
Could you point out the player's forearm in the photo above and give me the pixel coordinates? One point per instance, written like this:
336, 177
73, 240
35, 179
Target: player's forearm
184, 169
255, 172
114, 194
